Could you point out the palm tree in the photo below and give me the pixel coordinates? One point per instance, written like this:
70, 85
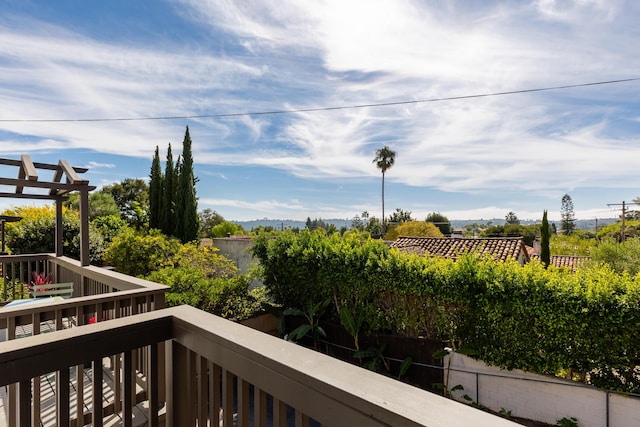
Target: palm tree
385, 157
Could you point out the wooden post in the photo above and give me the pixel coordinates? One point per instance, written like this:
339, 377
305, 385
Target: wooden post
59, 228
84, 227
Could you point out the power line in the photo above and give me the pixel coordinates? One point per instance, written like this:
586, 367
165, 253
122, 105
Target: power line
334, 108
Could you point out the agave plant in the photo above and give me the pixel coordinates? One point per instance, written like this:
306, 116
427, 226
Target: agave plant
40, 279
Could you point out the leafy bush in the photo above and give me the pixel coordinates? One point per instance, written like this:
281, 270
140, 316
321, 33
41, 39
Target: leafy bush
413, 228
226, 228
35, 233
614, 231
139, 253
228, 298
573, 244
547, 321
206, 258
620, 256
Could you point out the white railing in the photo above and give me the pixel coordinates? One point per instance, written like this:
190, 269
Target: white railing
217, 373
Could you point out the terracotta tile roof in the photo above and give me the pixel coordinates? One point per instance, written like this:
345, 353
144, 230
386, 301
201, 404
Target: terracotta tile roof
500, 248
567, 261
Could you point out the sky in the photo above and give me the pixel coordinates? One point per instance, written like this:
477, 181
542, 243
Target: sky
102, 84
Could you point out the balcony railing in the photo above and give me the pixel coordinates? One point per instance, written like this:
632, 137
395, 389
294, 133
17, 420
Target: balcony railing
98, 295
217, 373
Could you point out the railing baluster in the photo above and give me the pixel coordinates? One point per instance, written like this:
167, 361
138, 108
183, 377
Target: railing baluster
215, 385
192, 389
202, 394
128, 393
177, 406
279, 413
227, 398
154, 398
243, 403
97, 394
24, 402
259, 407
62, 397
35, 330
79, 392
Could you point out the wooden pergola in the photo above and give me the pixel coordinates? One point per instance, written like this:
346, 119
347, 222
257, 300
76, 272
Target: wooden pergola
56, 190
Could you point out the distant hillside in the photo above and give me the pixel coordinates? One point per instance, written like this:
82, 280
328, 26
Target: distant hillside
283, 224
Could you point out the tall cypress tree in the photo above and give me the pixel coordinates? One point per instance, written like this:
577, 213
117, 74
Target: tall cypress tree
155, 192
178, 207
187, 193
169, 197
545, 253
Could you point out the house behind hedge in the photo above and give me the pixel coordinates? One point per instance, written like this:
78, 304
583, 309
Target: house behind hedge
501, 248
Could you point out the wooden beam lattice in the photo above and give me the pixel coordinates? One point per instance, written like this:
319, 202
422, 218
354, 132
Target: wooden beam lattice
57, 191
28, 177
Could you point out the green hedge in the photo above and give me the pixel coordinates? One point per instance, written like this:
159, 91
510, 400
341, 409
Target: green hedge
580, 325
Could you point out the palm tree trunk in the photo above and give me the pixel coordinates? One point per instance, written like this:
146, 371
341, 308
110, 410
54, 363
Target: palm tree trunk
383, 204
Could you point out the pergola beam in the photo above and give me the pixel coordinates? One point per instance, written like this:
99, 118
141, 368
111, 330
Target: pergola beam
28, 178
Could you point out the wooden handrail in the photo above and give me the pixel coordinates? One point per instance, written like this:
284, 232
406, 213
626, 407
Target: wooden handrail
207, 355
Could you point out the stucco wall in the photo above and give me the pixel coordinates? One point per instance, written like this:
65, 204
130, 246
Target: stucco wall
539, 397
237, 250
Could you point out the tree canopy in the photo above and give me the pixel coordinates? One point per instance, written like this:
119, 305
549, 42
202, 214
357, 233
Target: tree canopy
385, 158
567, 215
440, 221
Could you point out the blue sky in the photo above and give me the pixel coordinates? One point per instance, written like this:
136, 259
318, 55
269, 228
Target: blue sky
467, 158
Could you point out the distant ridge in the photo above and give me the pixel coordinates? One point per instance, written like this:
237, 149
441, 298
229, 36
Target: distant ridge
283, 224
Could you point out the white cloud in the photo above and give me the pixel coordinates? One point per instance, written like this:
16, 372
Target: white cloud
271, 55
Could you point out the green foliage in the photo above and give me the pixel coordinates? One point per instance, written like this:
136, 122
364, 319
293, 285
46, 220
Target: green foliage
312, 314
567, 214
137, 253
399, 216
376, 358
614, 231
155, 192
575, 244
207, 219
132, 197
440, 221
35, 233
228, 298
109, 226
413, 228
511, 219
206, 258
226, 228
385, 158
548, 321
621, 257
352, 323
528, 232
169, 190
545, 254
567, 422
101, 204
186, 209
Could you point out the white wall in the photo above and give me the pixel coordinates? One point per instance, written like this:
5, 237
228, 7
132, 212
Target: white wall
540, 397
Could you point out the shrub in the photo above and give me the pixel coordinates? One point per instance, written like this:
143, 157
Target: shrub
549, 321
137, 253
228, 298
35, 233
